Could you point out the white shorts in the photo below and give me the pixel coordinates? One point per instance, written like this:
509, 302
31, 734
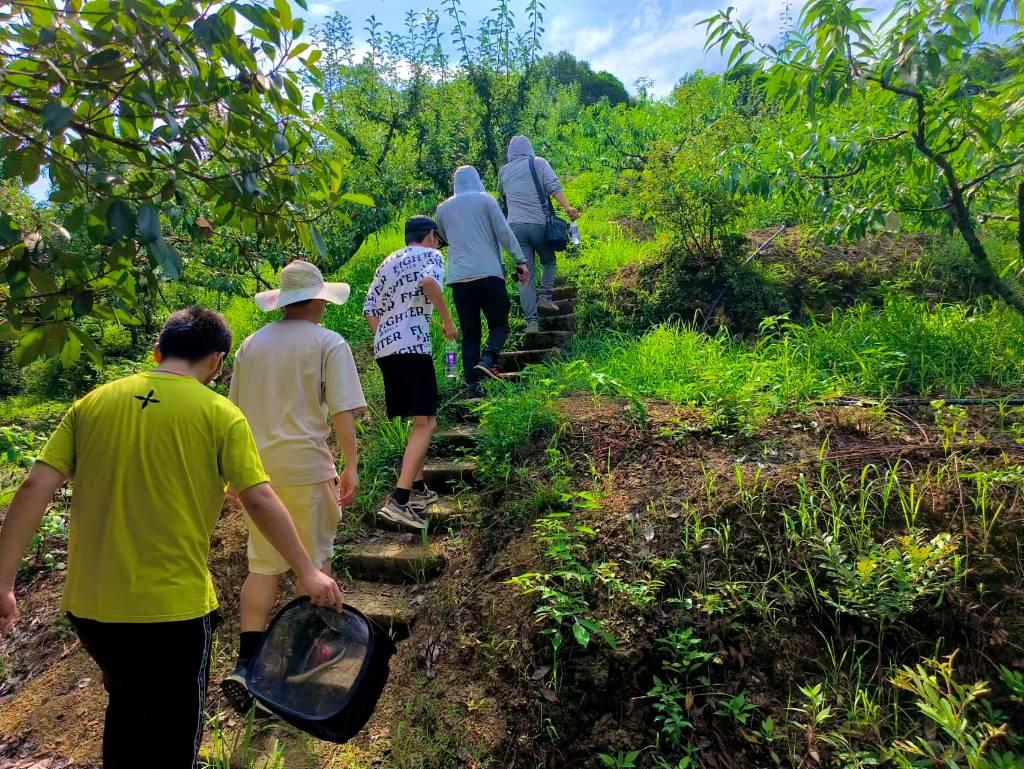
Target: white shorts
314, 509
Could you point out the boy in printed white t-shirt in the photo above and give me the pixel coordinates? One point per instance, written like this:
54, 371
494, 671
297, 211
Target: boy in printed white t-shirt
398, 308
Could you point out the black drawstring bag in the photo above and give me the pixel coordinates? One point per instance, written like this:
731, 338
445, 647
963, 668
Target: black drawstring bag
320, 670
556, 230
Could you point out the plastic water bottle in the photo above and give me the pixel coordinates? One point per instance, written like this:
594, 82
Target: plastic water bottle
451, 360
574, 233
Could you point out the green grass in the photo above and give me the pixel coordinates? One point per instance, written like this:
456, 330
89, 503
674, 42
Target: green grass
904, 347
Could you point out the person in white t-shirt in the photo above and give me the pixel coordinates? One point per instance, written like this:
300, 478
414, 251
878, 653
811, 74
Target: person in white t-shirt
293, 379
398, 308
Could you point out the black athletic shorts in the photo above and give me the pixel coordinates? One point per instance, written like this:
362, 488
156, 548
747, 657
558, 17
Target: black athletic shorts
410, 385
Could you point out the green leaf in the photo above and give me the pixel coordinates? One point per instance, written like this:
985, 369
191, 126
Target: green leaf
82, 303
8, 234
284, 13
148, 223
892, 222
56, 117
30, 346
89, 345
318, 240
54, 338
582, 634
166, 257
43, 281
71, 351
120, 220
359, 199
318, 103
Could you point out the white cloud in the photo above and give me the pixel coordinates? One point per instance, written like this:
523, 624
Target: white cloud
658, 39
320, 9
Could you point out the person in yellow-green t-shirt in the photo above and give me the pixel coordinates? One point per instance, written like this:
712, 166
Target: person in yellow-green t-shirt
150, 456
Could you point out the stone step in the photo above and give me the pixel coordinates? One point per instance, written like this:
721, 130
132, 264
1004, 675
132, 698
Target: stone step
565, 306
561, 280
565, 292
393, 607
465, 410
396, 559
442, 476
517, 360
566, 322
461, 436
549, 339
511, 376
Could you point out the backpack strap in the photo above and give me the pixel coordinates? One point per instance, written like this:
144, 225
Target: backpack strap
549, 209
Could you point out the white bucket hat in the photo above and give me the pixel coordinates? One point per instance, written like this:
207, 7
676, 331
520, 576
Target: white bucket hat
301, 281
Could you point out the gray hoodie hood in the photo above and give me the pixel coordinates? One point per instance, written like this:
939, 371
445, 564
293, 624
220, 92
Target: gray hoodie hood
472, 223
520, 147
525, 205
467, 179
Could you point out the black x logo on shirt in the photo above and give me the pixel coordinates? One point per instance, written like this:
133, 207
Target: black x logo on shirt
146, 399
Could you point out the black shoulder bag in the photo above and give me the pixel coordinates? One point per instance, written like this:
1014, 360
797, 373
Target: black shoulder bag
556, 229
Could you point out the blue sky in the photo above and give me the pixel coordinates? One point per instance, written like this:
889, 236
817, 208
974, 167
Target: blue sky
629, 38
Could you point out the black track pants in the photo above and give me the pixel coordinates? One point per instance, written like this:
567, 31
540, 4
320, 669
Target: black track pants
490, 297
156, 676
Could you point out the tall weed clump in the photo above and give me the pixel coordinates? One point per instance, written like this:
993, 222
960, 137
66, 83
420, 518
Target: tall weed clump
907, 347
902, 348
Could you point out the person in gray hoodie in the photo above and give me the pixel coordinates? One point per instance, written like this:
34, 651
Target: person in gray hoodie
472, 223
527, 215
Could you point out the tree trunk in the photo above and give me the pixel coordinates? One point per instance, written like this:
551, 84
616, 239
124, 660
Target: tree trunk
995, 285
1020, 219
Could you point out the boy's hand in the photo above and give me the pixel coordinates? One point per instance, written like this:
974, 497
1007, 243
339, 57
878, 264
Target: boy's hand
449, 329
522, 274
321, 589
574, 213
8, 611
347, 486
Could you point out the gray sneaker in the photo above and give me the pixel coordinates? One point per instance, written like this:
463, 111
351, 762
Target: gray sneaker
548, 306
533, 327
421, 500
403, 515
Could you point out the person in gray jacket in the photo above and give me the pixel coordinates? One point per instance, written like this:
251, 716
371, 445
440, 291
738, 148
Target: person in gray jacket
472, 223
527, 215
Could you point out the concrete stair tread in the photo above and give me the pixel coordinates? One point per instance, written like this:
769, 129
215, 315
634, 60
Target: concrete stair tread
527, 353
510, 376
442, 475
565, 307
394, 558
563, 322
565, 292
516, 360
393, 607
449, 465
462, 435
548, 339
465, 410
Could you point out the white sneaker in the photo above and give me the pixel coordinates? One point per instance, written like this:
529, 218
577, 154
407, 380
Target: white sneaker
403, 515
